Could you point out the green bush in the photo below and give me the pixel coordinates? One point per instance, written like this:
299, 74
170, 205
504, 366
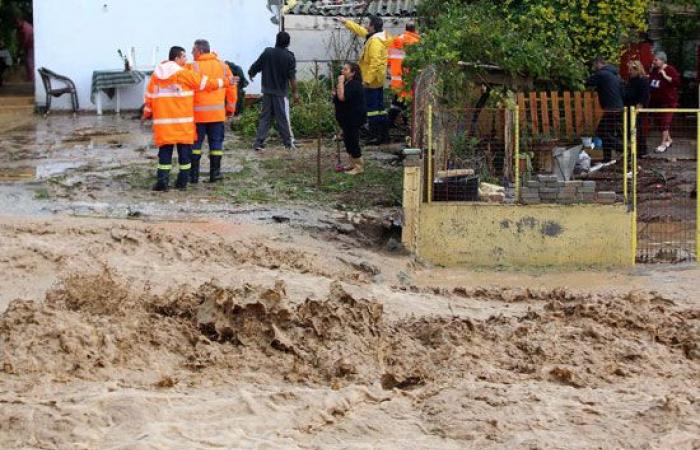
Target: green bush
315, 113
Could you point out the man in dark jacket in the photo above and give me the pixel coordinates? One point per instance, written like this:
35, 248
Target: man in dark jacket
278, 67
237, 71
609, 87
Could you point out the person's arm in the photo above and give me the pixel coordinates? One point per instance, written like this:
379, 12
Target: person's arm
148, 100
292, 74
199, 82
340, 88
231, 93
256, 68
592, 81
355, 27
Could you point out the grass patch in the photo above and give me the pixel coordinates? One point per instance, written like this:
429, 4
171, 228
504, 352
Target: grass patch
41, 194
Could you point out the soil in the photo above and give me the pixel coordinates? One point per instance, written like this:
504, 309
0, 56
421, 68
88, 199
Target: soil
135, 321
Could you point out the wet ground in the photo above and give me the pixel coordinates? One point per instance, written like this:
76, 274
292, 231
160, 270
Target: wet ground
136, 320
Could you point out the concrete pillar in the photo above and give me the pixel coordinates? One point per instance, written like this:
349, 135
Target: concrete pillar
411, 200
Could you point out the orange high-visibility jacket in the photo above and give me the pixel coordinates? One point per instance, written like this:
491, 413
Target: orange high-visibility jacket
170, 101
396, 56
214, 105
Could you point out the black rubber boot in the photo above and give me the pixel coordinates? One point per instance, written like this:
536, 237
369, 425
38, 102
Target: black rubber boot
215, 169
373, 137
182, 177
194, 171
163, 181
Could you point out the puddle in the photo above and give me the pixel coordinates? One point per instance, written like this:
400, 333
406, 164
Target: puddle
51, 168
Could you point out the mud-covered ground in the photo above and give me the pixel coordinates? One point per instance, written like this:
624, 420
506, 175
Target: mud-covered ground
139, 321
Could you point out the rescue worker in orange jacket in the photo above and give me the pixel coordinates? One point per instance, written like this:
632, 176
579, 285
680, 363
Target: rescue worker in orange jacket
170, 102
397, 54
211, 110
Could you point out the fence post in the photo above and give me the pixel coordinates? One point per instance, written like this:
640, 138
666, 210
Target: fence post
633, 119
516, 151
626, 126
430, 153
697, 191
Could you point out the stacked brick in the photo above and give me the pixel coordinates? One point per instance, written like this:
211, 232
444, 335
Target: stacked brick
548, 189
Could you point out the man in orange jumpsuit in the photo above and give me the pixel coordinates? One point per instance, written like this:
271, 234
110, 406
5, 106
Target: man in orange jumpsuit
170, 102
211, 110
396, 55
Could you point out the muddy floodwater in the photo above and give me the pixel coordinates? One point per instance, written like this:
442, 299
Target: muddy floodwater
131, 320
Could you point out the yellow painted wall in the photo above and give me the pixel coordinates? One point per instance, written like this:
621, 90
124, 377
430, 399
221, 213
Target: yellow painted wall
524, 236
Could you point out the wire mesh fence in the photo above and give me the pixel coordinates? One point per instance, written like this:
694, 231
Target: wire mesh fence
666, 185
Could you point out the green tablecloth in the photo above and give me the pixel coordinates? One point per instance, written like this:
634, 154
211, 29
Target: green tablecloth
108, 80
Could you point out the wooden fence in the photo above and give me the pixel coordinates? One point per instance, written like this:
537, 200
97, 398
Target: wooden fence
559, 114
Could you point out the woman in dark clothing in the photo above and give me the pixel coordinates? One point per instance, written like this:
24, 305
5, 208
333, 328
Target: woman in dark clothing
664, 81
637, 95
351, 113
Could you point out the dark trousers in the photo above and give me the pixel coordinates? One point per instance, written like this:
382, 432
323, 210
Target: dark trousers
165, 157
351, 139
214, 133
374, 98
274, 107
610, 132
397, 108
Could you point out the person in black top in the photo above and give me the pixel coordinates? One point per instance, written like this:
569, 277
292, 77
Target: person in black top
608, 85
637, 94
351, 112
279, 68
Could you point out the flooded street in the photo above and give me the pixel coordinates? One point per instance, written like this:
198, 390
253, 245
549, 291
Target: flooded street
205, 319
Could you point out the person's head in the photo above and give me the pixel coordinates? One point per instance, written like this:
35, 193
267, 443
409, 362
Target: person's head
598, 63
636, 69
660, 59
376, 25
177, 55
282, 40
200, 47
410, 26
352, 71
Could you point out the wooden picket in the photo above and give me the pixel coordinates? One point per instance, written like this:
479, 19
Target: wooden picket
559, 115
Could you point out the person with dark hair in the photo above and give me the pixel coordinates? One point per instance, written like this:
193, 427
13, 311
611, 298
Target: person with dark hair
211, 110
373, 63
169, 100
637, 95
664, 81
350, 112
609, 87
238, 71
279, 68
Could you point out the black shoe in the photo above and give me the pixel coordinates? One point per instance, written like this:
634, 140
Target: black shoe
215, 169
163, 181
182, 177
194, 171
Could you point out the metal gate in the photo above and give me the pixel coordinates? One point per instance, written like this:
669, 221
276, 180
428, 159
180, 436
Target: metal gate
666, 216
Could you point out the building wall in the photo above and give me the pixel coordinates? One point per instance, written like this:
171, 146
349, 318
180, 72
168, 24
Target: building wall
75, 37
311, 36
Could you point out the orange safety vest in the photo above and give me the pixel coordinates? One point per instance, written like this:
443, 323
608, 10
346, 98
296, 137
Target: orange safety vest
213, 106
170, 101
396, 56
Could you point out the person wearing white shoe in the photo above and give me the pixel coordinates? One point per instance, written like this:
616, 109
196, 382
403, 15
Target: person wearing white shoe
664, 81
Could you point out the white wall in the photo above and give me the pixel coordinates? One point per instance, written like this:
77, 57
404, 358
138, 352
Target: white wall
75, 37
311, 36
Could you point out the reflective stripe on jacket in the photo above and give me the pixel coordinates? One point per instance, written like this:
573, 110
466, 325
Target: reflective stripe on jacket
374, 55
396, 56
212, 106
170, 101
